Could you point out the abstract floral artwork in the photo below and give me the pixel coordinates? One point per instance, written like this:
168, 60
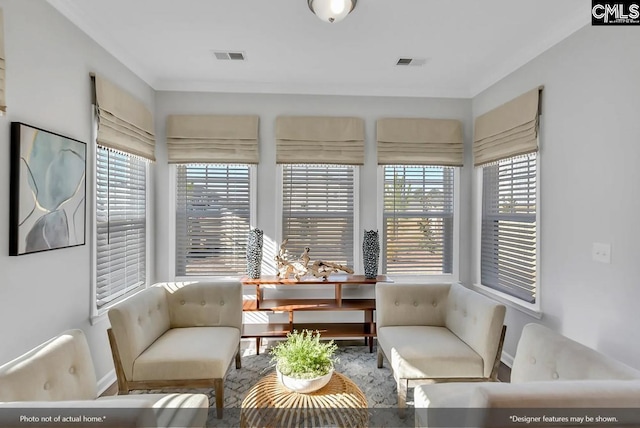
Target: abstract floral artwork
48, 173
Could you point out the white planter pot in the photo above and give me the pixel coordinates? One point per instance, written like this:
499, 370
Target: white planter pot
304, 386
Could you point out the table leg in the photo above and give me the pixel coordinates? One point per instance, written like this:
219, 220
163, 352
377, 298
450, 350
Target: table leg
257, 346
368, 318
258, 296
339, 295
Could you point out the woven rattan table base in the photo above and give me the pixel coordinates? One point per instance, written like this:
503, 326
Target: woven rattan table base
340, 403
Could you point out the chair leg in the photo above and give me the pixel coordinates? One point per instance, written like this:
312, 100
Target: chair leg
380, 357
402, 397
219, 391
238, 359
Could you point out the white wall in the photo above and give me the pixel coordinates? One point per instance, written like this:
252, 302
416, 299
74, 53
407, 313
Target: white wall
588, 180
48, 86
588, 185
268, 107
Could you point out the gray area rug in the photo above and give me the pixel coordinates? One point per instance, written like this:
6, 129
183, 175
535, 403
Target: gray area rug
356, 363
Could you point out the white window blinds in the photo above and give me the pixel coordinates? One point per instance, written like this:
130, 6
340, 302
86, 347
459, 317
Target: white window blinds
508, 256
418, 219
121, 224
212, 219
318, 211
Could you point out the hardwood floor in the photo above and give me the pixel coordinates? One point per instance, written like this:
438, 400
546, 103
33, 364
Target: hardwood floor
504, 373
112, 390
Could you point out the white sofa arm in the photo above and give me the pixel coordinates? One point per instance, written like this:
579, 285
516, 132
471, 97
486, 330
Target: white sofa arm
137, 322
556, 404
411, 304
102, 413
478, 321
492, 404
559, 394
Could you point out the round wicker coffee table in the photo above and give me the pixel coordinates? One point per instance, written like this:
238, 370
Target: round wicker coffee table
340, 403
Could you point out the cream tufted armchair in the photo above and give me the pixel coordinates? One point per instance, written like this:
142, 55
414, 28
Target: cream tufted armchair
437, 333
57, 379
177, 336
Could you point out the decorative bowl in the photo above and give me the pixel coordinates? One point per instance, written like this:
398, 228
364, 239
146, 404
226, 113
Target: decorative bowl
303, 386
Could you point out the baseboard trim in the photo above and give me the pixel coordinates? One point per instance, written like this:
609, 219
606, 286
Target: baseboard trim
507, 359
106, 381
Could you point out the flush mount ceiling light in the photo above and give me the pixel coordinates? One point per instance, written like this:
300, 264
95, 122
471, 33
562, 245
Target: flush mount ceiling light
332, 10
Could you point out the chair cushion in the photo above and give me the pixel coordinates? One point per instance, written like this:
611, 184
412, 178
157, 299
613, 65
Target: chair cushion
188, 353
59, 369
442, 404
172, 410
438, 395
490, 404
477, 320
137, 322
418, 352
544, 354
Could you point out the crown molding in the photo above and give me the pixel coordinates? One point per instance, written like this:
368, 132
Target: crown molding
438, 91
528, 53
100, 35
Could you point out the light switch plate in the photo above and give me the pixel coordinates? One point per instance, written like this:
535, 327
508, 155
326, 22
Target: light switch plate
601, 252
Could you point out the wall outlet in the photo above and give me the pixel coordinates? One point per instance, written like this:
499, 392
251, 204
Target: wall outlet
601, 252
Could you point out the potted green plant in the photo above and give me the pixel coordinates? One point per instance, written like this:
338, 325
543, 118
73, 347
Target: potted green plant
304, 363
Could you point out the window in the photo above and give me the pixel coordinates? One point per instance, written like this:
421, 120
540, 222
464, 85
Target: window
212, 219
418, 220
318, 211
508, 254
120, 224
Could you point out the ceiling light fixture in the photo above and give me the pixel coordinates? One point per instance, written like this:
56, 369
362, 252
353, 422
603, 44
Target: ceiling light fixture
332, 10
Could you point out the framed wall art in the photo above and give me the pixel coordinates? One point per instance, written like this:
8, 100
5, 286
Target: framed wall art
48, 190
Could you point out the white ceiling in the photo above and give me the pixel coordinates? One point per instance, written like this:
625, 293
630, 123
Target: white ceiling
469, 44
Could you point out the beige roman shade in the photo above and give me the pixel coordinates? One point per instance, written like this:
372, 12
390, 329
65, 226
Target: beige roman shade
509, 130
212, 139
124, 123
420, 141
3, 100
320, 140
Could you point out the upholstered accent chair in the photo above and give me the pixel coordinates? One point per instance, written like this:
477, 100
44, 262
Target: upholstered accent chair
437, 333
58, 378
551, 374
177, 335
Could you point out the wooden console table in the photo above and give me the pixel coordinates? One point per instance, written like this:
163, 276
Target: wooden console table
366, 329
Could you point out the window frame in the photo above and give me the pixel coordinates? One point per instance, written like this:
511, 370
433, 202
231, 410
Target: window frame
357, 238
532, 309
100, 314
173, 196
454, 276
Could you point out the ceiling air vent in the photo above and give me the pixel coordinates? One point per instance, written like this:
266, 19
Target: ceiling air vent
414, 62
233, 56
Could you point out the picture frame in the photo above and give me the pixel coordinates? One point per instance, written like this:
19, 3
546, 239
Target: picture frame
47, 191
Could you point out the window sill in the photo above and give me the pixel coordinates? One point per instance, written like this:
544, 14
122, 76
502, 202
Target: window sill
532, 310
423, 279
98, 318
